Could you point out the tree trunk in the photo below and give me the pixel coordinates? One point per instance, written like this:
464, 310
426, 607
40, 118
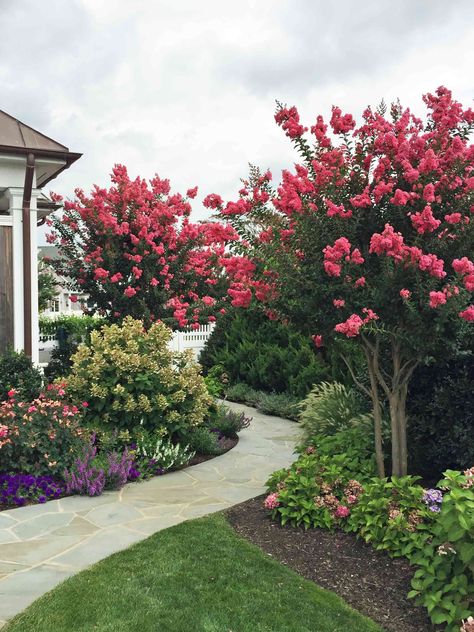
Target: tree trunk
377, 413
397, 443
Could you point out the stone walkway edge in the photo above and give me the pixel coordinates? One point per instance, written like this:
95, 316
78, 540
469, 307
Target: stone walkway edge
42, 545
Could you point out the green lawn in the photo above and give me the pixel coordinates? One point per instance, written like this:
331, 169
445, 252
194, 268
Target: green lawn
195, 577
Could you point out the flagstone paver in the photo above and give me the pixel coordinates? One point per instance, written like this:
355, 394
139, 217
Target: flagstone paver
42, 545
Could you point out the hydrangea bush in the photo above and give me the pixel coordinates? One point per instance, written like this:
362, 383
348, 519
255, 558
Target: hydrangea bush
132, 380
444, 581
433, 528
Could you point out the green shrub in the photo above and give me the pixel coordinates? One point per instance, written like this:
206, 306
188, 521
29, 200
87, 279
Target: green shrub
331, 407
264, 354
132, 380
203, 440
70, 332
324, 483
229, 422
17, 372
392, 516
440, 409
352, 450
244, 394
40, 437
444, 581
278, 404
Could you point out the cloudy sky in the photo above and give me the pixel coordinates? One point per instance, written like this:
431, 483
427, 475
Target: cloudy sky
187, 89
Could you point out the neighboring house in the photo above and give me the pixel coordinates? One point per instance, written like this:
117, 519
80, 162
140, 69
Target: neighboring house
28, 161
61, 304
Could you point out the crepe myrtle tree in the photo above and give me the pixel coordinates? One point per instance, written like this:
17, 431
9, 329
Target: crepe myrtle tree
133, 249
370, 239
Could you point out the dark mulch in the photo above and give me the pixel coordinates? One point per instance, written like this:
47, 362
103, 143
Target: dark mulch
369, 580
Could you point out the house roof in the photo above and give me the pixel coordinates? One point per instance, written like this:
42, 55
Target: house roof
18, 138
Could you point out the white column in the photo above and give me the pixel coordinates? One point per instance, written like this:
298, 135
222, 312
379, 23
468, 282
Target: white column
15, 196
34, 278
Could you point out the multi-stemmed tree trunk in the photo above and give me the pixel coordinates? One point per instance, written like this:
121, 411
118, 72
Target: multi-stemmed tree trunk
390, 388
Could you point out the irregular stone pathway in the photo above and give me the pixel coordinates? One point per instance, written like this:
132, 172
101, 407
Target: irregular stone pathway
41, 545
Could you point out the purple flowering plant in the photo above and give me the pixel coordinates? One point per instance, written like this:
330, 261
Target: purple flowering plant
433, 499
17, 490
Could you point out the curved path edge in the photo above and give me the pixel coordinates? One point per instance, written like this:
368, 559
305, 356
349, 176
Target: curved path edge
42, 545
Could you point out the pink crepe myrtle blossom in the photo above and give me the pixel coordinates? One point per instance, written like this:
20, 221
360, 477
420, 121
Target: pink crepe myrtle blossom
129, 291
437, 299
318, 340
403, 180
468, 314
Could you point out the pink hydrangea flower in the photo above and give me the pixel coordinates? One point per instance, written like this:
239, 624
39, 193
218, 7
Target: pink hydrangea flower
271, 501
342, 511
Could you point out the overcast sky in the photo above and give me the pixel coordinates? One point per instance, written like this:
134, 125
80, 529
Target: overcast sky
187, 89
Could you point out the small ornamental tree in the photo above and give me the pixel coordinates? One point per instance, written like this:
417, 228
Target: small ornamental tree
133, 249
370, 240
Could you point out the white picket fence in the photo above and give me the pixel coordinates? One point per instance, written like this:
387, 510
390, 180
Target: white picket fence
194, 339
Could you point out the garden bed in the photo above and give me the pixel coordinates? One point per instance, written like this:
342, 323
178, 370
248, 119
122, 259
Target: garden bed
225, 444
368, 580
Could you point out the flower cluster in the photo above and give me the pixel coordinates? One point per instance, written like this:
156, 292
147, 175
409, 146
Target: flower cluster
134, 250
271, 501
433, 499
17, 490
42, 436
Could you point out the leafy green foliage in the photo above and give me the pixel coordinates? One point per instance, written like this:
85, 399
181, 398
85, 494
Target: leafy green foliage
244, 394
331, 407
17, 372
202, 440
40, 437
229, 422
322, 479
264, 354
132, 380
441, 415
279, 404
444, 581
392, 517
70, 331
46, 285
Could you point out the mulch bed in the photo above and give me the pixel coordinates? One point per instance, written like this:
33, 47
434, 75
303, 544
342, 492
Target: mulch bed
369, 580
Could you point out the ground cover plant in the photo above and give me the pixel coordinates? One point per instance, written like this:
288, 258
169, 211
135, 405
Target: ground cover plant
368, 241
197, 576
